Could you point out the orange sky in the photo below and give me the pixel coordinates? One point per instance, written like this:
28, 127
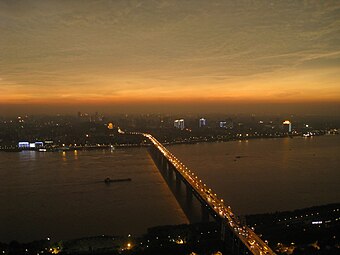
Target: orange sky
135, 53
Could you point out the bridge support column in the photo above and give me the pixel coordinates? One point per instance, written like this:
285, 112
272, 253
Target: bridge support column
223, 230
158, 158
164, 164
243, 250
189, 194
235, 245
178, 180
233, 248
170, 171
205, 213
157, 154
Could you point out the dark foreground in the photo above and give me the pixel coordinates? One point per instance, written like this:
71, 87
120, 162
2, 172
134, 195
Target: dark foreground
308, 231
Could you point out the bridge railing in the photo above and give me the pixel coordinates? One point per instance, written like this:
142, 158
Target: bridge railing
248, 237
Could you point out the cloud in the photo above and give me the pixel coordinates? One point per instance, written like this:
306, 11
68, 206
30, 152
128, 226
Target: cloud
121, 47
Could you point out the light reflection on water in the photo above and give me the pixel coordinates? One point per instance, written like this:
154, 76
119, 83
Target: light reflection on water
270, 174
62, 194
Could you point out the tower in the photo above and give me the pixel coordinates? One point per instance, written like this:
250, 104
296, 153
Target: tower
202, 122
287, 126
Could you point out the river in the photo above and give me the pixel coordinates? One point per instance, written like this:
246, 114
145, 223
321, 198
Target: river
63, 196
267, 175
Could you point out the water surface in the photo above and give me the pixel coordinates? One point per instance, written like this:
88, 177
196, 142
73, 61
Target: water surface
267, 175
62, 195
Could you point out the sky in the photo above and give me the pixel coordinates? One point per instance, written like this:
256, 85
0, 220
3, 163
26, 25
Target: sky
175, 55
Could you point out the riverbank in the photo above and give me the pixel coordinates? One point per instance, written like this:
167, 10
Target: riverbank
313, 230
211, 139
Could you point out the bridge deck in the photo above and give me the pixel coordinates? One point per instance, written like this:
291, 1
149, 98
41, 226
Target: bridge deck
245, 234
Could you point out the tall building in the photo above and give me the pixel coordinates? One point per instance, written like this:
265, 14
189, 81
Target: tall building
110, 126
179, 124
229, 124
287, 126
202, 122
222, 124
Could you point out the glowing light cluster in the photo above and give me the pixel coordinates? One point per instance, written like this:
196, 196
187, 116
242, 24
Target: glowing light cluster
254, 243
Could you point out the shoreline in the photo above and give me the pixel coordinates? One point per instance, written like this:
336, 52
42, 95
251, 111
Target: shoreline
265, 217
122, 146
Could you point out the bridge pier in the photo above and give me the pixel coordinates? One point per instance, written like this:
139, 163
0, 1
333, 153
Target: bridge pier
158, 157
236, 245
162, 164
233, 245
204, 213
189, 194
178, 180
200, 209
223, 230
170, 173
183, 193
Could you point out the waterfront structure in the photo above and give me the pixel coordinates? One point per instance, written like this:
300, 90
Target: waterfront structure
222, 124
202, 122
179, 124
24, 145
237, 236
110, 126
227, 124
287, 126
30, 145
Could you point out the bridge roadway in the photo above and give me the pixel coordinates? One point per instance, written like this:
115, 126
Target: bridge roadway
253, 243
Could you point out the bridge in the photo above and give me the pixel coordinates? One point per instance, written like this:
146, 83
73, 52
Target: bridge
238, 237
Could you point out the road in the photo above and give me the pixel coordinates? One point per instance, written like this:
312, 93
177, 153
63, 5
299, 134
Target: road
248, 237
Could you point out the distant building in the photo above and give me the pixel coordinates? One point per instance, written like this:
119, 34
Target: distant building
24, 145
227, 124
222, 124
48, 143
287, 126
30, 145
202, 122
110, 126
179, 124
38, 144
83, 116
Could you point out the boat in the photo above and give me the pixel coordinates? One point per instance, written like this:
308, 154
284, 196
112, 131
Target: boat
109, 180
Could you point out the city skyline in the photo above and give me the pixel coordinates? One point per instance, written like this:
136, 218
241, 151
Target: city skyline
133, 56
139, 127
